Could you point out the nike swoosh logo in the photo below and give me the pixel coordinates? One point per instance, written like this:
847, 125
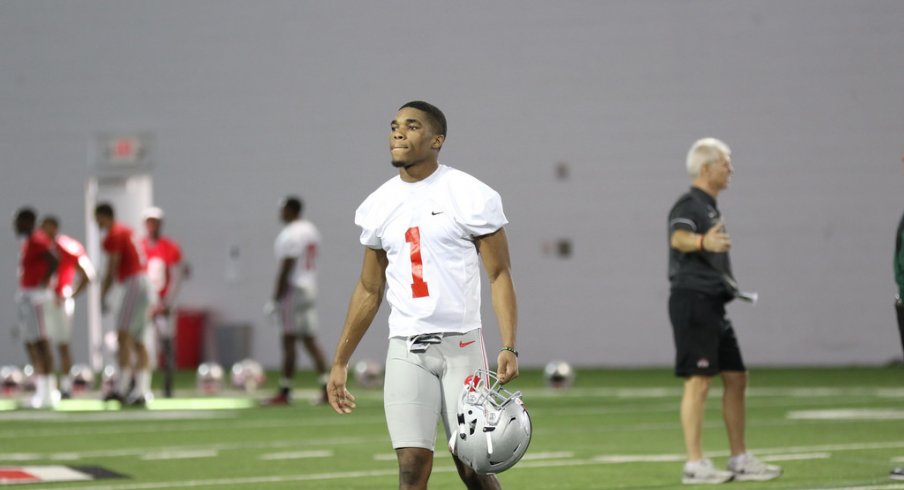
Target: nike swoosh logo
434, 213
465, 344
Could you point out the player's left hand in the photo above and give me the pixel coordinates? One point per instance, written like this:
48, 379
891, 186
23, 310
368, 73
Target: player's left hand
507, 366
340, 399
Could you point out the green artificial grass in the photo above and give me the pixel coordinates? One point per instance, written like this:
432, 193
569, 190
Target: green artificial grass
615, 428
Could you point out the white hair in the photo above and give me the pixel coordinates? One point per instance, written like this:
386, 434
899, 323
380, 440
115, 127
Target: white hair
705, 151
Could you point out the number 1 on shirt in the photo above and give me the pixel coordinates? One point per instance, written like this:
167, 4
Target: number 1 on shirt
419, 286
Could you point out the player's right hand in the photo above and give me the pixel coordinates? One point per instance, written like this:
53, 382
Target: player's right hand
340, 399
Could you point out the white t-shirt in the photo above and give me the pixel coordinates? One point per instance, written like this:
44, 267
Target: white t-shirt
299, 240
427, 229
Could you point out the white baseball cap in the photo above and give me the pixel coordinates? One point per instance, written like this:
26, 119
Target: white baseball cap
153, 213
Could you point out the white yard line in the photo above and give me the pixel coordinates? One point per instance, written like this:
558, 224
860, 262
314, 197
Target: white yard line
883, 486
796, 457
141, 451
131, 428
296, 455
783, 453
859, 414
168, 455
753, 392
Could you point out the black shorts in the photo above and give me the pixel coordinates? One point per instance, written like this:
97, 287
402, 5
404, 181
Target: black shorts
705, 342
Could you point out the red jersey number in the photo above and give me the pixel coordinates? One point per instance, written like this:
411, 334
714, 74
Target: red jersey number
418, 286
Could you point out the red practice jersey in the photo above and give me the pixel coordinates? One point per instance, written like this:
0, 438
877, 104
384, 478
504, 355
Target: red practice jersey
119, 241
161, 255
34, 265
69, 251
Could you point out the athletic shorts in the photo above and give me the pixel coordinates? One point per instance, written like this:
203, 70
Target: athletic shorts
423, 388
296, 312
705, 341
31, 306
58, 317
132, 313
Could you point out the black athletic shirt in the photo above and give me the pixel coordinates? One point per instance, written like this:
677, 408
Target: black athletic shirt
706, 272
899, 258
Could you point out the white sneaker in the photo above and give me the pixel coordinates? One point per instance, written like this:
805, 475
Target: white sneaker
703, 471
747, 468
897, 474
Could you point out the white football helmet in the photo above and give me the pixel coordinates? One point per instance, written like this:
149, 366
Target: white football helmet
494, 428
247, 375
209, 378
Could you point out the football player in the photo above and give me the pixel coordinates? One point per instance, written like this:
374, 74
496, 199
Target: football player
295, 296
165, 271
74, 262
124, 268
425, 232
37, 265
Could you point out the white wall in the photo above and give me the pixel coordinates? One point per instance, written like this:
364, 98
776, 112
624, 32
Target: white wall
249, 101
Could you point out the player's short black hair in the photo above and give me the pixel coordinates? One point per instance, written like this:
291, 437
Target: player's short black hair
293, 204
26, 215
436, 117
51, 219
104, 209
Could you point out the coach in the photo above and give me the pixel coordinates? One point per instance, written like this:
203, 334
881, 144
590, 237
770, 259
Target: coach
701, 284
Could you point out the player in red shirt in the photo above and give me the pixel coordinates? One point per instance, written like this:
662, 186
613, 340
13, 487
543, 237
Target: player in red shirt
36, 266
124, 266
74, 262
165, 270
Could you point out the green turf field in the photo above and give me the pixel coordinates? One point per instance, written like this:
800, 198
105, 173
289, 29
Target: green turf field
829, 428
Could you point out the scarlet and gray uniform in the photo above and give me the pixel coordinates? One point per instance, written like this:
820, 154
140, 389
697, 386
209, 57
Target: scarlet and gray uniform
428, 231
71, 254
32, 297
161, 257
295, 313
131, 315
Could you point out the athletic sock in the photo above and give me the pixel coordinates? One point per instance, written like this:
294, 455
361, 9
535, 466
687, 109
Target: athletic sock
65, 383
143, 381
42, 390
122, 382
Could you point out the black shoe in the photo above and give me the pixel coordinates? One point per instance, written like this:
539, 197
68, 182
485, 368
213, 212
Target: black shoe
113, 396
65, 395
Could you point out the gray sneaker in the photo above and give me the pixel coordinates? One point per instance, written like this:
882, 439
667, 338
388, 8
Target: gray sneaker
897, 474
747, 468
703, 472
